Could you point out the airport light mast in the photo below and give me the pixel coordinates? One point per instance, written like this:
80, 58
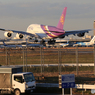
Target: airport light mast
94, 28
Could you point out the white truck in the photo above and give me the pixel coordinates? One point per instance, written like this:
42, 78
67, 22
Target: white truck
13, 80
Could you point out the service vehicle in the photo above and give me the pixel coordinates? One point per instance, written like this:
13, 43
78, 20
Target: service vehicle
13, 80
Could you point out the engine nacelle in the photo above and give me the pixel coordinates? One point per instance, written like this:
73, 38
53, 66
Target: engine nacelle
19, 36
7, 34
80, 34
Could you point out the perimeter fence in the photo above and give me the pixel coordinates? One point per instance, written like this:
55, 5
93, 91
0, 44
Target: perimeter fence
47, 55
42, 56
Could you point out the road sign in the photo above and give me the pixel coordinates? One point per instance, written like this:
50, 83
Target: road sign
92, 91
68, 81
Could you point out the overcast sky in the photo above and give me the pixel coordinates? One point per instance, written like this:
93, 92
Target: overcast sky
19, 14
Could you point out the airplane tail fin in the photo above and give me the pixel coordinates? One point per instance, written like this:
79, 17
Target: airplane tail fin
62, 19
92, 40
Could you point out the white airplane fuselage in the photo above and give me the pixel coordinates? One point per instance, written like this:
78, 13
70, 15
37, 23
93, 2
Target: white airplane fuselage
44, 31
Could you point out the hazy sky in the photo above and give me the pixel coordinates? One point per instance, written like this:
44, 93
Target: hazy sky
19, 14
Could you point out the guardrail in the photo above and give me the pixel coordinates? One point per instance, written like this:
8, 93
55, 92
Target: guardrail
84, 86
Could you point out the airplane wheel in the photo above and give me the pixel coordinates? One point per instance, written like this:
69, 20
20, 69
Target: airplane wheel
36, 41
42, 41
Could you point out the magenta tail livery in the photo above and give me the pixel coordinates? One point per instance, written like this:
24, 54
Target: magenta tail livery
62, 19
46, 32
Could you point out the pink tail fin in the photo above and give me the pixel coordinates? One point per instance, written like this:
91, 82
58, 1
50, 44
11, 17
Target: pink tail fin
62, 19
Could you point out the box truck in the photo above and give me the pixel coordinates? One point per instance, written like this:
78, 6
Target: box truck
13, 80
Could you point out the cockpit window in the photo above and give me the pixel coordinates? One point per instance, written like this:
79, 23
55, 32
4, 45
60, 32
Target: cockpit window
29, 77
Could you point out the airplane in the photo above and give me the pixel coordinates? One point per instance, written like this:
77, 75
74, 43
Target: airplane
91, 43
45, 32
31, 45
21, 46
5, 45
8, 46
65, 44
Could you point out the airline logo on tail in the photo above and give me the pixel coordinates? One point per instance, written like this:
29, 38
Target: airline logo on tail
62, 19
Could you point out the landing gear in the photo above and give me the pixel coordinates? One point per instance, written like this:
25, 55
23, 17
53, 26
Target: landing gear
36, 40
51, 41
42, 42
33, 39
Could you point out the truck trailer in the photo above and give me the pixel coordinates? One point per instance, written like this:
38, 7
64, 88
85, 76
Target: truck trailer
13, 80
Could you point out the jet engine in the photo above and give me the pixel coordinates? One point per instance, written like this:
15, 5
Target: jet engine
80, 34
19, 36
7, 34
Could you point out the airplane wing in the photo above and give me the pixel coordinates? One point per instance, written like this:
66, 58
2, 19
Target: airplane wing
65, 34
76, 32
73, 32
22, 32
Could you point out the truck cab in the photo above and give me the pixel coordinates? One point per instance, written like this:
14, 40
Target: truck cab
23, 82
